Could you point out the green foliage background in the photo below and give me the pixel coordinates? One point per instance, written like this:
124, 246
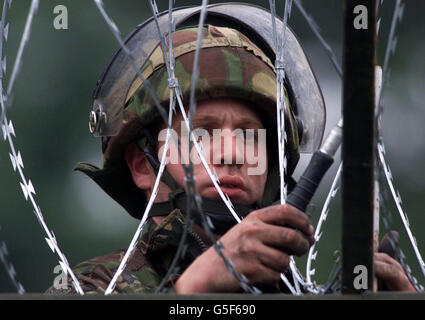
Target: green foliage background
50, 111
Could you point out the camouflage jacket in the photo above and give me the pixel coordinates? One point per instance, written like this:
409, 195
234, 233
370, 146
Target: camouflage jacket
147, 266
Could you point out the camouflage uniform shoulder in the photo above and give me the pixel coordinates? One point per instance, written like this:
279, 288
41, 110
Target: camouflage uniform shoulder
144, 270
94, 275
85, 273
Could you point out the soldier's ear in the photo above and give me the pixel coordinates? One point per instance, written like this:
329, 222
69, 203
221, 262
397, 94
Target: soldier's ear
139, 166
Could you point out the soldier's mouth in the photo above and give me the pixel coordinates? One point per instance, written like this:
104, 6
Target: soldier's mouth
231, 185
232, 182
234, 193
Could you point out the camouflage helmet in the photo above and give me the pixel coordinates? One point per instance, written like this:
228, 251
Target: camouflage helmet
231, 65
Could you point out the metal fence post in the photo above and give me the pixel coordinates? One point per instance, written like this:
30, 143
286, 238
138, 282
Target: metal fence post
358, 144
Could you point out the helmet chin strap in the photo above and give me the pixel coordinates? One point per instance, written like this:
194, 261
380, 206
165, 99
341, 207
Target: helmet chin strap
216, 211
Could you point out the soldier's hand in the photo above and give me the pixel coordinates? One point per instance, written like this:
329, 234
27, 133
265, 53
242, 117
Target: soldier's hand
391, 273
259, 248
389, 270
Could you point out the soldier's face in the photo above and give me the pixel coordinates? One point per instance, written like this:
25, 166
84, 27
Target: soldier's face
234, 143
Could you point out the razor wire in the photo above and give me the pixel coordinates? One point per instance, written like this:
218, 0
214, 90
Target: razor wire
8, 131
10, 269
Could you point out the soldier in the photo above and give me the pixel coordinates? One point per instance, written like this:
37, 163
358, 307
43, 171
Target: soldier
236, 90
